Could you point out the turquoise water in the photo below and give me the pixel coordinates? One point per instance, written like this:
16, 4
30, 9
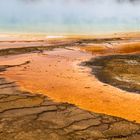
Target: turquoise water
69, 16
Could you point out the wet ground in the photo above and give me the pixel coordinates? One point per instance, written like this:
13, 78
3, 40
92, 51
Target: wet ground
45, 92
122, 71
31, 116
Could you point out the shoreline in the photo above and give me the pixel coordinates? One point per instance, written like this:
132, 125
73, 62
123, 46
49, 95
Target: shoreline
31, 35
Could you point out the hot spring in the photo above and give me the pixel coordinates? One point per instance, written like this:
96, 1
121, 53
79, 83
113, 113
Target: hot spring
69, 16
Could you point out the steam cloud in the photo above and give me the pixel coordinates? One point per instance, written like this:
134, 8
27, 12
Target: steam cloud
69, 16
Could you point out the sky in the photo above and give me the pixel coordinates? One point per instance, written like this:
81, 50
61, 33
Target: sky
69, 16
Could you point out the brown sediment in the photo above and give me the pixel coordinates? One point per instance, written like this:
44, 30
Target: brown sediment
129, 48
124, 47
122, 71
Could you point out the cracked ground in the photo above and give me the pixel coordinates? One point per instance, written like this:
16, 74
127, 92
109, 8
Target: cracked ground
33, 116
26, 116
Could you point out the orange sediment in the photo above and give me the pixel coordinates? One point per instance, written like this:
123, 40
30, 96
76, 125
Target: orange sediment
58, 75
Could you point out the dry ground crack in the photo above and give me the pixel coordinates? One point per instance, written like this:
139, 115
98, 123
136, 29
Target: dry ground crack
26, 116
30, 116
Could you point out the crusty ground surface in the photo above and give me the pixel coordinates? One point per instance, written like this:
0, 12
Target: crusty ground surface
26, 116
34, 116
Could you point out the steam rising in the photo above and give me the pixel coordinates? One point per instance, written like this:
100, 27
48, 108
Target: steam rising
69, 16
